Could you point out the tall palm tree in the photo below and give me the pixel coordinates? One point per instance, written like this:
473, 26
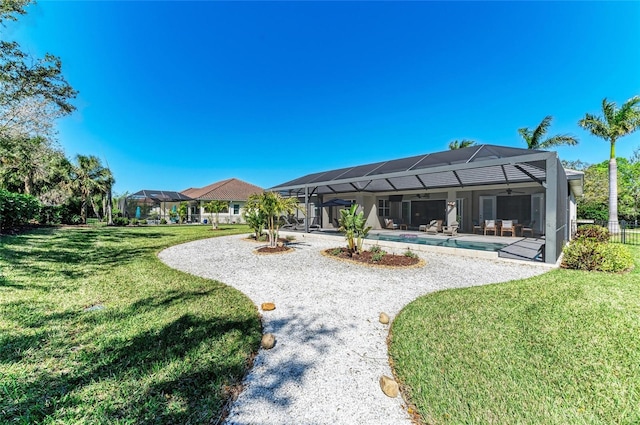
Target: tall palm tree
535, 139
612, 125
461, 144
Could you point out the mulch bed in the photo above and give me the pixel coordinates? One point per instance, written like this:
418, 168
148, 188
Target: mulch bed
388, 260
277, 250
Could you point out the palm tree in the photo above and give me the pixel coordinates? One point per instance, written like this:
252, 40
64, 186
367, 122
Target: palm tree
26, 162
215, 207
461, 144
614, 124
534, 139
272, 205
89, 178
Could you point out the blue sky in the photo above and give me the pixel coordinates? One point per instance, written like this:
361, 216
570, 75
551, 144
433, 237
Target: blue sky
182, 94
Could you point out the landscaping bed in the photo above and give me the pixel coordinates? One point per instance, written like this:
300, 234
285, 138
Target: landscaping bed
374, 258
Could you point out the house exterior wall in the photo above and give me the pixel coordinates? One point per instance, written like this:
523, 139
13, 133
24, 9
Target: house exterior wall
228, 217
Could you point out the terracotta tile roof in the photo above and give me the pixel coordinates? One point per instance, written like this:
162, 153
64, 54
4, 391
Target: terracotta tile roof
225, 190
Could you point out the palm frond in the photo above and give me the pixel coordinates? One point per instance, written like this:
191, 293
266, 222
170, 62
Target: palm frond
595, 125
540, 131
558, 140
526, 135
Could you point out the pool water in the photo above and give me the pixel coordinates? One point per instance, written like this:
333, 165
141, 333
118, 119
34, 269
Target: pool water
449, 242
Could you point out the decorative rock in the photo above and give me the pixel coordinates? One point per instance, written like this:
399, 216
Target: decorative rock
268, 341
389, 386
268, 306
384, 318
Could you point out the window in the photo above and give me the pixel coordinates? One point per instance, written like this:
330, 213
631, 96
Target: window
236, 209
383, 208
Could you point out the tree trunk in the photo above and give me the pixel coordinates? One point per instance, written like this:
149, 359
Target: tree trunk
613, 196
96, 211
28, 185
109, 208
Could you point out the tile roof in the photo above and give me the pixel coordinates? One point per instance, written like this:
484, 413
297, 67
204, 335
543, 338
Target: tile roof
225, 190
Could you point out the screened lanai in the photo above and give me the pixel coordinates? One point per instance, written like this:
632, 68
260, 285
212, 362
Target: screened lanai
152, 204
465, 185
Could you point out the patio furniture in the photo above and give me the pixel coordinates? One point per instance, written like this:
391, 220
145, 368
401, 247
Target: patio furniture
490, 226
527, 228
434, 227
336, 223
422, 228
288, 224
451, 229
315, 223
389, 224
477, 226
507, 226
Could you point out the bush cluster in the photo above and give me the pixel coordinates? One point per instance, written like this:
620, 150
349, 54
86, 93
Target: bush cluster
593, 232
120, 221
591, 250
17, 209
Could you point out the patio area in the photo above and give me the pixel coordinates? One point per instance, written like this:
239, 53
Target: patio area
464, 244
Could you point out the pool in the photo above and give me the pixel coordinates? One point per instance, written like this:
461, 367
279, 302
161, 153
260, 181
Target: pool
449, 242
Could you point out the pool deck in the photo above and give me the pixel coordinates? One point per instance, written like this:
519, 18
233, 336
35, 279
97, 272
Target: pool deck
518, 248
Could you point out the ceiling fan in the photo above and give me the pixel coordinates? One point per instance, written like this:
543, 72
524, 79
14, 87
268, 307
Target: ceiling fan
509, 191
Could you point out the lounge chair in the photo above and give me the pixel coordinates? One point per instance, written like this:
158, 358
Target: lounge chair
490, 226
315, 224
287, 224
451, 229
434, 227
507, 226
389, 224
291, 223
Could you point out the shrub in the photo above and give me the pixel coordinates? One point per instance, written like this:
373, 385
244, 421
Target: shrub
17, 209
587, 254
593, 232
616, 258
135, 221
163, 221
143, 221
120, 221
377, 256
410, 254
336, 251
50, 214
374, 249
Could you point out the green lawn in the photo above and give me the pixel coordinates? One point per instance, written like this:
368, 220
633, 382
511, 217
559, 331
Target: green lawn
561, 348
167, 347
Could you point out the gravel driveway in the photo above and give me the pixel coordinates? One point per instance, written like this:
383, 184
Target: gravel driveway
331, 349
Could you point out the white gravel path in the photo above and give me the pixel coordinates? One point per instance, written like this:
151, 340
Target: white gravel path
331, 349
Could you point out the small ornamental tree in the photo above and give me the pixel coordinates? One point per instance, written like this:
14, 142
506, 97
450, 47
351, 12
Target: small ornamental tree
215, 207
273, 206
252, 215
183, 208
353, 225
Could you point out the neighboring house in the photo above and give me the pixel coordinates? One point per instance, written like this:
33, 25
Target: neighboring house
467, 186
233, 190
